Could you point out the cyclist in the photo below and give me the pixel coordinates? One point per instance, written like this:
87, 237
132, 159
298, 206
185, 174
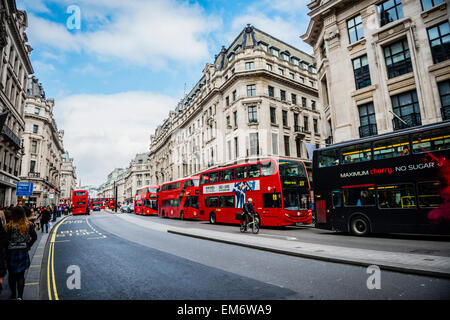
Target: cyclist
247, 210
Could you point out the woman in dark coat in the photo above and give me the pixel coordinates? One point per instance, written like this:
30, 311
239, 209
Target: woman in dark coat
45, 216
21, 236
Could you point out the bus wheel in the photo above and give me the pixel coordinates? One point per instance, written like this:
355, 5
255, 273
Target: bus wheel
212, 218
359, 226
182, 215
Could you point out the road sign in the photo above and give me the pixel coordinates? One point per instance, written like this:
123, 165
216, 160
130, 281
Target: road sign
24, 189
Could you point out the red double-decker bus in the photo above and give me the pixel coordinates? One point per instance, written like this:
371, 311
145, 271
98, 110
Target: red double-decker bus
146, 200
179, 199
279, 189
110, 203
97, 202
80, 202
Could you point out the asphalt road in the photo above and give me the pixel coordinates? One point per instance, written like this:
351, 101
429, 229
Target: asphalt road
101, 256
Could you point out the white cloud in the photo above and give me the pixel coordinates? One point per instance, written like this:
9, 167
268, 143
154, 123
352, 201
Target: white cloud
140, 32
102, 132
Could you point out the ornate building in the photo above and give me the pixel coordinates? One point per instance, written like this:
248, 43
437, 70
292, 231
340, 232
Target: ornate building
43, 147
68, 176
382, 65
15, 67
258, 99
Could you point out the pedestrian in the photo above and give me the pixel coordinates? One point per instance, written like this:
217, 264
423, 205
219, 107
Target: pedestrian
21, 237
45, 217
3, 246
2, 217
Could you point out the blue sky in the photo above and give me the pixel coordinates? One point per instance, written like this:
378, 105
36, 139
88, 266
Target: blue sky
116, 78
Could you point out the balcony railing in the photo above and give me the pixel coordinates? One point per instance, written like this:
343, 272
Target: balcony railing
368, 130
7, 132
34, 175
410, 120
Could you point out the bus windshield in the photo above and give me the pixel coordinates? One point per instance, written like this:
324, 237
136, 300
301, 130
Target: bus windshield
294, 200
290, 168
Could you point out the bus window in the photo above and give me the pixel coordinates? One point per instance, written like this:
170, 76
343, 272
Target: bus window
396, 196
390, 148
254, 171
214, 176
336, 199
241, 172
228, 175
213, 202
290, 168
429, 194
191, 202
328, 158
293, 200
361, 196
271, 200
205, 178
267, 168
228, 201
356, 153
433, 140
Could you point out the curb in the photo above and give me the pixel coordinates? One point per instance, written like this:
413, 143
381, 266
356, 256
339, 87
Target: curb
45, 254
360, 263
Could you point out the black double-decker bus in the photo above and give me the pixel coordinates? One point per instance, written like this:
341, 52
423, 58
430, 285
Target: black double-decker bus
392, 183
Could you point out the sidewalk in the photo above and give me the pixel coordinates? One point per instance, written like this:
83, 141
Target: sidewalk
430, 265
33, 274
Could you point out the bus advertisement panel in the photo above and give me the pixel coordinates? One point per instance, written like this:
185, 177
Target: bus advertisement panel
80, 202
179, 199
392, 183
146, 200
279, 189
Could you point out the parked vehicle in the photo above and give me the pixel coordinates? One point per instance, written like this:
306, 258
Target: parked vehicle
124, 208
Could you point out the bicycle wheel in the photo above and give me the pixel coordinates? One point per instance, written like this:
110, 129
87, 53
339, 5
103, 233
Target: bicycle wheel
255, 225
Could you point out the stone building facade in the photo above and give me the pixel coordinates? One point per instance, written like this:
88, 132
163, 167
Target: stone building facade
258, 99
15, 67
382, 65
43, 147
68, 176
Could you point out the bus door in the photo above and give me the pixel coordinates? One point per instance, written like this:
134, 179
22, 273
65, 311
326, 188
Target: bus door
271, 205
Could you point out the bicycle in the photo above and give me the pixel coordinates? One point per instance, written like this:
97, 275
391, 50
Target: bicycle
255, 223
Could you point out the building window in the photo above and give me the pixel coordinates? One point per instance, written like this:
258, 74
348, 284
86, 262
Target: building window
439, 37
275, 51
35, 128
294, 98
315, 126
323, 50
254, 144
234, 95
428, 4
263, 46
228, 122
235, 118
303, 102
390, 10
32, 165
33, 146
361, 72
305, 123
284, 56
271, 91
252, 114
355, 29
398, 59
249, 65
444, 93
283, 95
291, 75
251, 90
313, 105
285, 118
406, 107
269, 67
298, 146
227, 101
37, 110
273, 116
281, 71
368, 122
274, 143
287, 146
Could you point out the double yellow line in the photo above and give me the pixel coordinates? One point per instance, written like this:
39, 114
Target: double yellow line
51, 266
